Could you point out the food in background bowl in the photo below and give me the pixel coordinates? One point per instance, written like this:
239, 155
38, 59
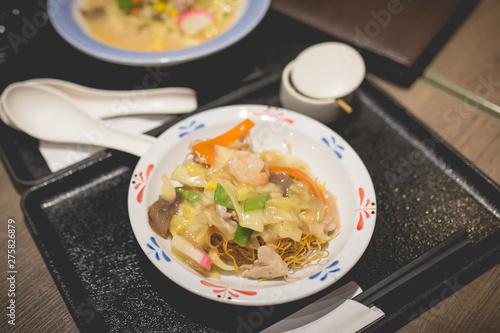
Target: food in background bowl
157, 25
239, 212
68, 21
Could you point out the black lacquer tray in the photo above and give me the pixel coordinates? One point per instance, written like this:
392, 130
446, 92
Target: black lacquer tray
425, 191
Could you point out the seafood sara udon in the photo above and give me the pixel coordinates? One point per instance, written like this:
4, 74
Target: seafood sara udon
255, 215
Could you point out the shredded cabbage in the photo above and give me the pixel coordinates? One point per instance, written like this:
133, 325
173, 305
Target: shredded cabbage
285, 214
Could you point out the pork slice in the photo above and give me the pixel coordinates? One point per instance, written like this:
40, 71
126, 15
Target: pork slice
268, 265
226, 217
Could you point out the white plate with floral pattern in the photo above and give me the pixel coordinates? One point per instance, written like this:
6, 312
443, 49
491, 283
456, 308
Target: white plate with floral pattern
332, 160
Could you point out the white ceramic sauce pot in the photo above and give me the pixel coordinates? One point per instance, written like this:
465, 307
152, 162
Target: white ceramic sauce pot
320, 81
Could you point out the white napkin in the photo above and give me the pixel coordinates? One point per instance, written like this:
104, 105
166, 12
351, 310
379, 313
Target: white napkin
335, 312
61, 155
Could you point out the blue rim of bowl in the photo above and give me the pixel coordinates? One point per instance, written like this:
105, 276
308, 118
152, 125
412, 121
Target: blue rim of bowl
61, 17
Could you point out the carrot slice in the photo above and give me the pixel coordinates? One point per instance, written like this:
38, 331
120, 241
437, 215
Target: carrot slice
206, 149
302, 176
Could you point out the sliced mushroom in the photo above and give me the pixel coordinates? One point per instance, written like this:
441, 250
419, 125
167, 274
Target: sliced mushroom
282, 180
160, 214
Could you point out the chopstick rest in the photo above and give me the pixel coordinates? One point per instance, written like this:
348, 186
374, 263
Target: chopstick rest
335, 312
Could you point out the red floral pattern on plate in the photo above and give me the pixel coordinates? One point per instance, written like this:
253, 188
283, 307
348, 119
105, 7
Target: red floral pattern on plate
223, 292
140, 181
366, 208
272, 112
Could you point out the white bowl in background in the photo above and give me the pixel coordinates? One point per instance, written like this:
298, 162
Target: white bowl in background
66, 18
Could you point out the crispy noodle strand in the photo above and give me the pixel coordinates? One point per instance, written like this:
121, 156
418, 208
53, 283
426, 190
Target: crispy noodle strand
299, 254
295, 254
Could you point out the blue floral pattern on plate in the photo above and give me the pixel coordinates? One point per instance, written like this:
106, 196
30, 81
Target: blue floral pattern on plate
189, 128
334, 146
157, 250
327, 271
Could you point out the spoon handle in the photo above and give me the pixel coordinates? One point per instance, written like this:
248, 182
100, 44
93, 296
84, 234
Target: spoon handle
135, 144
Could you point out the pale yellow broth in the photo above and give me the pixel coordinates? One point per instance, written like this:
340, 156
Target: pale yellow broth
141, 33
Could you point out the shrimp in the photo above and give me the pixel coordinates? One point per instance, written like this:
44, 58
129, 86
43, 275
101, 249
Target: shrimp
249, 168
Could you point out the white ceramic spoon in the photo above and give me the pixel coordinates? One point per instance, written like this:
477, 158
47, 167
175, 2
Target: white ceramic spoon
48, 114
104, 104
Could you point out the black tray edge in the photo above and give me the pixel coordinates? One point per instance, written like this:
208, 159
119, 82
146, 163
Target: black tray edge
62, 275
479, 185
406, 75
481, 258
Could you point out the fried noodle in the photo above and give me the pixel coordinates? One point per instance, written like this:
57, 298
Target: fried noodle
295, 254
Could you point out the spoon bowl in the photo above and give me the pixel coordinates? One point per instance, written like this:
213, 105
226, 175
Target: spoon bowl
105, 104
48, 114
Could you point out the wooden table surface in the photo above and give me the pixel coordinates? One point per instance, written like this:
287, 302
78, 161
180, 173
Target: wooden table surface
455, 97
